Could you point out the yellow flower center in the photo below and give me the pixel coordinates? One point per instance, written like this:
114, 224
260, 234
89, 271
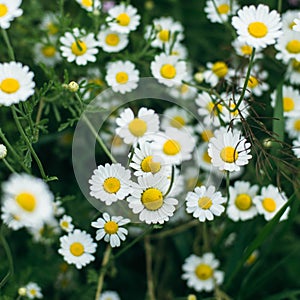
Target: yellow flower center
117, 141
297, 125
111, 227
296, 65
77, 249
123, 19
164, 35
206, 135
252, 82
111, 185
292, 25
137, 127
293, 46
288, 104
229, 154
48, 51
112, 39
152, 199
243, 202
223, 9
148, 165
33, 292
269, 204
171, 147
9, 85
65, 224
204, 271
3, 10
52, 28
213, 108
220, 69
168, 71
257, 29
122, 77
205, 202
206, 157
177, 122
26, 201
246, 49
78, 48
87, 3
184, 88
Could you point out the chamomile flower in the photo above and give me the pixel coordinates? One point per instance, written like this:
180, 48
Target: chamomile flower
241, 206
288, 46
288, 18
109, 295
205, 203
110, 183
16, 83
202, 158
270, 201
89, 5
229, 150
218, 11
79, 47
50, 24
204, 132
201, 272
28, 199
10, 218
168, 70
110, 228
257, 25
46, 53
9, 9
149, 199
215, 72
296, 147
131, 129
293, 72
66, 223
77, 248
179, 50
242, 48
33, 291
173, 145
122, 76
175, 117
112, 41
292, 126
123, 18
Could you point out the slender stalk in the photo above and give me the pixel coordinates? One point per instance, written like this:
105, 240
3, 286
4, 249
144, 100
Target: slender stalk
8, 165
8, 45
205, 238
172, 181
227, 189
279, 6
150, 282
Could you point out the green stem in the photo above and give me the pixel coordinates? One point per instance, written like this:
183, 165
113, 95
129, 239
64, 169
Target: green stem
150, 282
279, 6
172, 181
205, 238
8, 165
8, 45
227, 189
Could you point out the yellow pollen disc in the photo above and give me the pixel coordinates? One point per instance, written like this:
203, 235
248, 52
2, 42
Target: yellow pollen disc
78, 48
184, 88
257, 29
297, 125
220, 69
123, 19
288, 104
148, 165
206, 157
252, 82
164, 35
229, 154
87, 3
52, 28
152, 199
293, 46
204, 271
33, 292
168, 71
122, 77
65, 224
117, 141
212, 108
206, 135
171, 147
112, 39
235, 112
111, 227
292, 25
296, 65
177, 122
111, 185
223, 9
137, 127
246, 49
269, 204
49, 51
26, 201
9, 85
3, 10
77, 249
205, 203
243, 201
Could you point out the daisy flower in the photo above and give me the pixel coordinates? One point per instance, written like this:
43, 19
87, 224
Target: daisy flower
131, 129
110, 183
243, 49
50, 23
9, 9
293, 72
89, 5
288, 46
215, 72
201, 272
33, 291
183, 91
149, 199
296, 147
112, 41
122, 76
205, 203
240, 206
66, 223
46, 53
179, 50
288, 18
202, 158
110, 228
257, 25
270, 201
10, 218
292, 126
123, 18
16, 83
77, 248
79, 46
204, 132
109, 295
168, 70
173, 145
218, 11
28, 199
229, 150
175, 117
